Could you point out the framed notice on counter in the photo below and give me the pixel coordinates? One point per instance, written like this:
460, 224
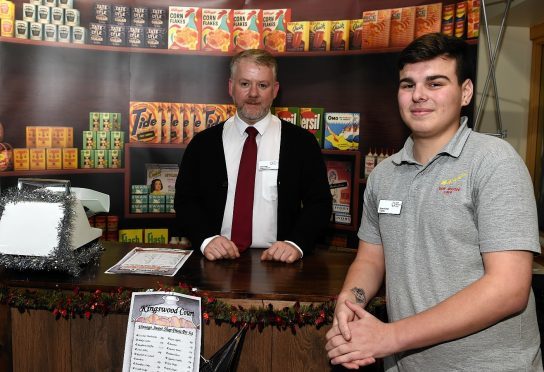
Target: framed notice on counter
163, 333
151, 261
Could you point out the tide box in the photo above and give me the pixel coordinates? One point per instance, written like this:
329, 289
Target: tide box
274, 29
341, 130
247, 29
184, 27
37, 158
290, 114
186, 110
53, 158
144, 122
176, 126
340, 34
311, 119
69, 158
356, 34
403, 21
428, 19
214, 114
320, 36
198, 111
131, 236
376, 25
217, 30
164, 118
21, 159
298, 36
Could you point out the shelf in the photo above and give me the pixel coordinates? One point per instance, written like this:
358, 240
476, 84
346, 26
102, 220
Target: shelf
150, 215
104, 48
340, 152
52, 172
143, 145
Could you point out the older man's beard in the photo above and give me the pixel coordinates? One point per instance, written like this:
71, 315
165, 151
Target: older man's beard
251, 117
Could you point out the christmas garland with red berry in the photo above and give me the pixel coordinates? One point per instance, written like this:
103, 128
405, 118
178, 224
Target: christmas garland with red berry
79, 303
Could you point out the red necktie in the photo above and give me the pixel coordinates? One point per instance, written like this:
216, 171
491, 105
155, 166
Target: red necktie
242, 217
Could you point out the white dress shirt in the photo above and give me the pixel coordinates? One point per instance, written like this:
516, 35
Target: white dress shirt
265, 202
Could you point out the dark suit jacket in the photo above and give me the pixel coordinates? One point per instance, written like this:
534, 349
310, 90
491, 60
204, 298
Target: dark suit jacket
304, 198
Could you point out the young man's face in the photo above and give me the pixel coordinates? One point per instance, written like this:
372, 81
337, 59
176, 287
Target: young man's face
252, 88
430, 97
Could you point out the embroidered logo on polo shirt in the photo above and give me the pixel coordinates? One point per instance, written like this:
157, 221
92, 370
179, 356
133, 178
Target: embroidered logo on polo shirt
451, 185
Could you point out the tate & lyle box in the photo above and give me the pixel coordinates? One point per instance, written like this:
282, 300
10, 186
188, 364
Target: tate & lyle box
155, 37
139, 16
135, 37
275, 29
320, 35
341, 130
298, 36
143, 122
311, 119
217, 30
247, 29
116, 35
120, 15
102, 13
98, 34
158, 17
184, 27
376, 27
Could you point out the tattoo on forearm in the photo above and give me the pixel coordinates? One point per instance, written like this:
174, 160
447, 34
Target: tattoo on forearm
360, 295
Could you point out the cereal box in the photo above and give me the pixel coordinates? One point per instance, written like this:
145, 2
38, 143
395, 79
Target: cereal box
69, 158
30, 136
355, 34
341, 130
448, 14
376, 26
459, 28
186, 116
44, 137
274, 29
473, 19
144, 124
115, 158
164, 115
247, 29
428, 19
403, 21
184, 27
199, 122
340, 35
37, 159
54, 158
176, 126
298, 36
87, 159
290, 114
320, 35
311, 119
102, 140
217, 30
21, 159
100, 158
117, 140
214, 114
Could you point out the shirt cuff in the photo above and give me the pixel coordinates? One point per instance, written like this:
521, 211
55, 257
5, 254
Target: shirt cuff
296, 246
206, 242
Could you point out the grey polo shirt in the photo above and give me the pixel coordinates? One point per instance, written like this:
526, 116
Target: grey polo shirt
474, 196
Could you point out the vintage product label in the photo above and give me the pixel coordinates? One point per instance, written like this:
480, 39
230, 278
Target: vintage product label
341, 130
64, 33
36, 2
117, 35
275, 29
131, 236
290, 114
473, 19
7, 27
139, 16
311, 119
88, 140
30, 12
69, 158
139, 189
44, 14
54, 158
79, 35
298, 36
72, 17
37, 158
376, 26
356, 34
184, 27
57, 16
21, 159
199, 122
158, 17
115, 158
186, 110
7, 10
117, 140
164, 118
115, 121
61, 136
21, 29
448, 17
247, 29
50, 32
102, 140
139, 199
100, 159
340, 177
135, 37
156, 199
340, 35
102, 13
144, 124
428, 19
460, 19
155, 38
217, 30
176, 126
98, 34
156, 235
30, 136
214, 114
403, 21
120, 15
94, 121
44, 137
320, 35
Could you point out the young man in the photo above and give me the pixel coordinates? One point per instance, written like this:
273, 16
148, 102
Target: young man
450, 223
291, 201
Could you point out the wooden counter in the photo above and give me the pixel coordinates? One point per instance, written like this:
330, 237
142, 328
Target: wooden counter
41, 343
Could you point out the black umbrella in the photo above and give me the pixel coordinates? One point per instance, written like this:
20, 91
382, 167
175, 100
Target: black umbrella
226, 358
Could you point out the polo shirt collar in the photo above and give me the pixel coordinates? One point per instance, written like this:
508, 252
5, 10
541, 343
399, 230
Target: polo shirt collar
261, 125
452, 148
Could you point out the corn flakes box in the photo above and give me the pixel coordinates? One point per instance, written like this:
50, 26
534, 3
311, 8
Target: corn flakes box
176, 126
44, 137
87, 159
21, 159
311, 119
199, 118
37, 158
186, 116
30, 132
275, 29
53, 158
428, 19
448, 16
117, 140
340, 34
376, 26
214, 114
69, 158
247, 29
164, 115
320, 36
355, 34
217, 30
290, 114
184, 27
403, 21
144, 122
473, 19
298, 36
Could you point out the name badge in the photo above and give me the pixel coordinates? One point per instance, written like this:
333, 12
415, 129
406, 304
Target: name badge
389, 207
269, 165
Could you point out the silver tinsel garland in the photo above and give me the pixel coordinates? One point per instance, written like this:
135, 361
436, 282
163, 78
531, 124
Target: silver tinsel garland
63, 258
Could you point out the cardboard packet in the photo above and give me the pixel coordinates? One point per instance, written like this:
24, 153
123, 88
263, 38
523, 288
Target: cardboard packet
311, 119
403, 21
184, 27
428, 19
144, 122
376, 26
298, 36
320, 36
290, 114
247, 29
217, 30
274, 29
186, 110
164, 115
340, 34
176, 125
